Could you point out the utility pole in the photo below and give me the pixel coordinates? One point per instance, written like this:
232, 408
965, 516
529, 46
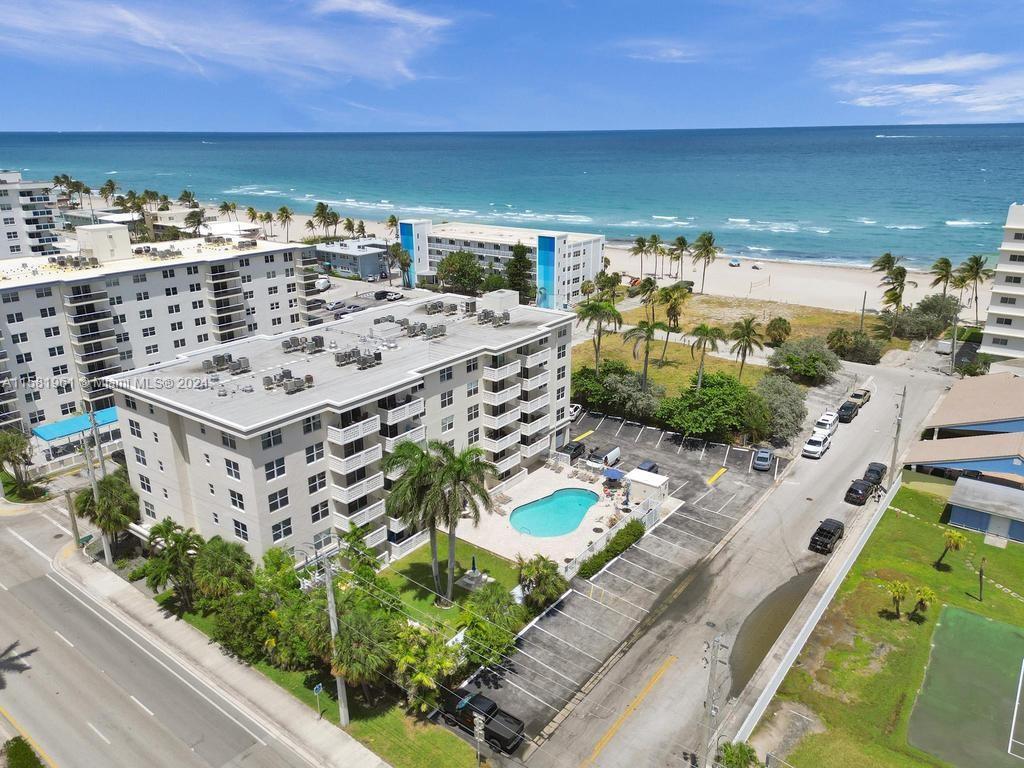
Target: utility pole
74, 518
981, 581
896, 437
339, 681
863, 309
711, 661
96, 441
952, 354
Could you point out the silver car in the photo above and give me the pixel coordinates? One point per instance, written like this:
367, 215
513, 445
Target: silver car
763, 458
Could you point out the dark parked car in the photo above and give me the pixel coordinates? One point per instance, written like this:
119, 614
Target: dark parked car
380, 295
763, 459
827, 536
647, 466
848, 411
315, 304
574, 449
875, 473
859, 492
502, 731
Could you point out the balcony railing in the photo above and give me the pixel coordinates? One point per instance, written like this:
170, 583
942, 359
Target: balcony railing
354, 491
73, 299
499, 444
98, 354
508, 462
417, 435
539, 380
342, 435
90, 317
533, 427
229, 325
529, 451
346, 464
376, 537
497, 398
228, 307
217, 277
501, 420
502, 372
403, 548
396, 524
360, 518
534, 405
537, 358
93, 336
107, 370
403, 412
9, 417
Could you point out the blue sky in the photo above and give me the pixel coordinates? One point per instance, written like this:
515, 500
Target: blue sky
383, 65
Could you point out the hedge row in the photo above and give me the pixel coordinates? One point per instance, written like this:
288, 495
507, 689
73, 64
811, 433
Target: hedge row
620, 542
20, 755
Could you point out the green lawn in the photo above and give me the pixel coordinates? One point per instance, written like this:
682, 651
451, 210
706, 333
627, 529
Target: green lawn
412, 576
34, 493
861, 669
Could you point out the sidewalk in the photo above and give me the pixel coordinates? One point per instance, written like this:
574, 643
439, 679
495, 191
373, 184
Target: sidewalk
285, 718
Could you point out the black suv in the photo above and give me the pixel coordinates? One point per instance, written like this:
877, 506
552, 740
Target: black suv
826, 538
875, 473
859, 492
502, 731
573, 449
848, 411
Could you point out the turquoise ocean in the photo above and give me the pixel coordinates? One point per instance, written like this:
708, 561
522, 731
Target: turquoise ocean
834, 195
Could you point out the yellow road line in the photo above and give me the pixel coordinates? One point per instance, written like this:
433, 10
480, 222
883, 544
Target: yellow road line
588, 433
26, 737
717, 475
610, 733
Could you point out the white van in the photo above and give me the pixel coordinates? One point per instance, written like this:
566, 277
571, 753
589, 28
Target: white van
322, 284
600, 458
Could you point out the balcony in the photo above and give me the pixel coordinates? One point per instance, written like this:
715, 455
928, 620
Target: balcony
74, 299
360, 518
9, 417
220, 293
90, 317
6, 395
108, 369
342, 435
537, 358
350, 493
509, 462
98, 354
502, 372
417, 435
535, 426
534, 405
501, 420
396, 524
228, 274
228, 306
502, 396
539, 380
376, 537
228, 325
346, 464
402, 412
93, 336
499, 444
529, 451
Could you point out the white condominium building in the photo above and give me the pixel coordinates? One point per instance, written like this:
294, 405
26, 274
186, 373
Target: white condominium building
28, 217
278, 440
562, 260
1004, 325
68, 321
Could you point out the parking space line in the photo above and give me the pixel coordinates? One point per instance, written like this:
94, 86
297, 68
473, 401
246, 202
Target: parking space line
750, 464
776, 469
695, 501
673, 544
660, 437
720, 514
620, 427
566, 642
726, 459
680, 446
618, 596
726, 504
667, 560
709, 525
692, 535
588, 626
677, 490
599, 424
719, 473
642, 428
703, 448
606, 607
629, 581
507, 680
637, 565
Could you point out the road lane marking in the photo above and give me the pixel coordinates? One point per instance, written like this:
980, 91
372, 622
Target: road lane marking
3, 587
29, 544
58, 634
145, 709
718, 474
25, 735
633, 706
56, 524
98, 732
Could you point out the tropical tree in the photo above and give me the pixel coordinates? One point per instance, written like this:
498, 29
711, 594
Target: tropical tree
898, 592
284, 218
885, 263
173, 561
598, 315
738, 754
954, 541
746, 338
705, 337
640, 249
187, 197
587, 289
225, 208
253, 214
194, 219
490, 617
424, 661
349, 226
777, 330
222, 568
267, 219
15, 456
656, 247
311, 227
361, 228
117, 508
460, 490
893, 296
678, 251
672, 297
959, 283
943, 271
839, 340
320, 215
923, 597
392, 225
641, 335
107, 190
541, 580
62, 181
362, 652
405, 267
975, 272
704, 251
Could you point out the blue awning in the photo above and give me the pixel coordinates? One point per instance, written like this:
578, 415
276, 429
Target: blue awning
74, 425
614, 474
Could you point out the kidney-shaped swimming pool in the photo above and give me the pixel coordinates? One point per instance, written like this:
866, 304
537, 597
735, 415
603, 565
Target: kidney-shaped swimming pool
554, 515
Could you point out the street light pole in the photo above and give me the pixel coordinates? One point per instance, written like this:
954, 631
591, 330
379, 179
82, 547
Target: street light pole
332, 617
896, 437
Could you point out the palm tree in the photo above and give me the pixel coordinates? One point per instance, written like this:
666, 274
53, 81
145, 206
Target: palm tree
704, 251
677, 252
194, 220
942, 269
222, 568
642, 334
885, 263
233, 210
898, 592
923, 597
173, 560
61, 181
657, 249
408, 498
705, 337
392, 225
648, 292
976, 272
349, 226
107, 190
225, 208
320, 211
587, 289
268, 221
954, 542
640, 249
778, 330
311, 227
673, 297
253, 214
959, 283
361, 228
738, 754
839, 341
893, 296
541, 580
597, 315
333, 219
404, 266
187, 197
460, 490
746, 338
117, 508
361, 654
284, 218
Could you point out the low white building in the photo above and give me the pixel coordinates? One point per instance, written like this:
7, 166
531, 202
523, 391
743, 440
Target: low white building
362, 257
1004, 323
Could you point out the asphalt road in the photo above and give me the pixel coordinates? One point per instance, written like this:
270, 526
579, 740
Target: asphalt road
648, 709
88, 690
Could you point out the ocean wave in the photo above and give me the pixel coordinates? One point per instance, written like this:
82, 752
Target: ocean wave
111, 173
967, 223
895, 136
759, 249
819, 230
865, 221
763, 226
904, 226
664, 218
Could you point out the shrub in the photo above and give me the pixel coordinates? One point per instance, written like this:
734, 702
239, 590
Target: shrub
19, 754
541, 580
808, 360
122, 563
491, 619
785, 401
977, 367
777, 330
863, 349
137, 574
715, 410
620, 542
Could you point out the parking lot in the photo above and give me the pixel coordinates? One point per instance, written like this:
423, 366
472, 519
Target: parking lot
711, 487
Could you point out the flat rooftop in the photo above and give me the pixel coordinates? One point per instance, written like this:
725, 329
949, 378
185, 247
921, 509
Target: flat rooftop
997, 446
980, 400
988, 497
491, 233
241, 404
354, 246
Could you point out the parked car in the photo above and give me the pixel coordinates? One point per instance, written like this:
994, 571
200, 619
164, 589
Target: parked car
502, 732
847, 411
380, 295
875, 473
575, 409
860, 396
315, 304
826, 538
817, 444
334, 306
600, 458
393, 296
573, 449
827, 422
648, 466
342, 312
859, 492
371, 279
322, 284
763, 458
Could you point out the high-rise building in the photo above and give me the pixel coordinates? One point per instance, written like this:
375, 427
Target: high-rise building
1004, 325
28, 217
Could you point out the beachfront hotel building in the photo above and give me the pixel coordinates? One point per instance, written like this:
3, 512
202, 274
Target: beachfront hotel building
67, 321
1004, 324
362, 257
562, 260
29, 218
278, 440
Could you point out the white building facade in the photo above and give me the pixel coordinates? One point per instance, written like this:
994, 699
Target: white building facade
562, 260
287, 450
1004, 324
29, 218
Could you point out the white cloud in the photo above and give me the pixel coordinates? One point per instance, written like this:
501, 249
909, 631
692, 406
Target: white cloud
945, 64
381, 10
662, 50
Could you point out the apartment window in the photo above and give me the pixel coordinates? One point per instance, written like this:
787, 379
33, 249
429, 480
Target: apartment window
36, 417
135, 428
15, 317
144, 484
560, 414
174, 309
560, 393
270, 439
322, 539
48, 312
310, 424
10, 297
145, 314
472, 388
997, 342
319, 511
150, 331
32, 397
1017, 257
272, 290
227, 440
202, 337
140, 456
19, 338
281, 530
274, 469
142, 296
42, 293
172, 291
66, 409
51, 331
314, 452
1018, 235
447, 424
57, 351
278, 500
472, 365
139, 277
236, 500
149, 509
562, 351
563, 332
447, 398
472, 412
192, 269
1014, 279
1004, 321
561, 373
232, 469
317, 482
60, 370
152, 349
241, 530
446, 374
1007, 300
179, 343
129, 402
474, 436
167, 273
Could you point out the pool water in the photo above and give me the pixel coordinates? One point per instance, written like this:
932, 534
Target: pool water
554, 515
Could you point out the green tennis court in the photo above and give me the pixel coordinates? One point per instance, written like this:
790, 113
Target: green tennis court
968, 711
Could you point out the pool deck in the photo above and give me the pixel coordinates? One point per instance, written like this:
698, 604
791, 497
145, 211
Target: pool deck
496, 533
